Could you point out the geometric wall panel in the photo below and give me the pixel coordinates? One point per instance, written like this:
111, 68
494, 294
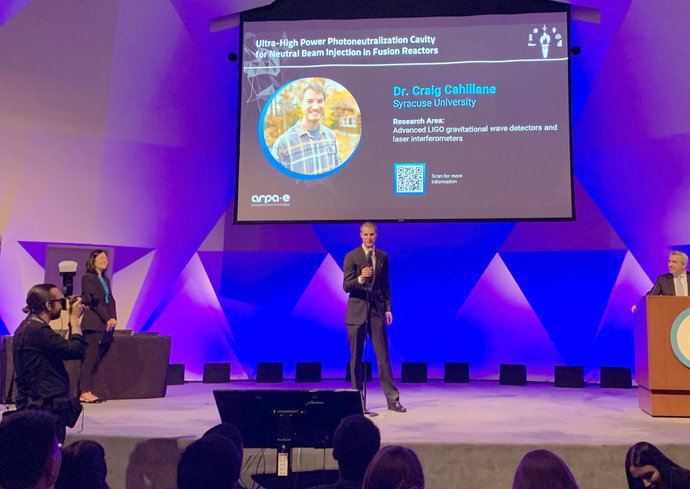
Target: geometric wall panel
613, 345
568, 291
193, 317
497, 325
590, 231
127, 284
324, 299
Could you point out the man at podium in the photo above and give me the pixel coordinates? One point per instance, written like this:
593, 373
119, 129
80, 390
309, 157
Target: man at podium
676, 281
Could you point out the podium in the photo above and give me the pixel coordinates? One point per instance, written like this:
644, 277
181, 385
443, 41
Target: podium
662, 355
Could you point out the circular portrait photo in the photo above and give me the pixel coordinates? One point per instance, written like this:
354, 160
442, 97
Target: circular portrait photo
310, 128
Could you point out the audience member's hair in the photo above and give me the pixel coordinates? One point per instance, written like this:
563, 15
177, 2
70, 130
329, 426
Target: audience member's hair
644, 453
229, 431
28, 444
83, 466
542, 469
37, 297
394, 467
211, 462
355, 442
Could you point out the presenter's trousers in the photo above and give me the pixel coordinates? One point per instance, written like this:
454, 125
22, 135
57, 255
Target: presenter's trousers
356, 336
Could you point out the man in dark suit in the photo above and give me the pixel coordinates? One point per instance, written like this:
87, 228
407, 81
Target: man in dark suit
365, 278
676, 281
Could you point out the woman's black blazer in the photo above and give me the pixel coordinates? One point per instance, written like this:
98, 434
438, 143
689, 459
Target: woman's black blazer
93, 295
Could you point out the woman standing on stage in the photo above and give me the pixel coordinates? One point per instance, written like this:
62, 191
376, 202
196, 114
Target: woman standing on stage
99, 320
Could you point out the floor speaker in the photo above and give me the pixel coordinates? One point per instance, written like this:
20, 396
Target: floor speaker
414, 372
456, 373
308, 372
216, 373
269, 372
569, 376
616, 377
175, 375
512, 374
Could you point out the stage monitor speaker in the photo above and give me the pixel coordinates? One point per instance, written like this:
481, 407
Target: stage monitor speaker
414, 372
289, 418
616, 377
367, 370
269, 372
569, 376
175, 375
456, 373
308, 372
512, 374
216, 373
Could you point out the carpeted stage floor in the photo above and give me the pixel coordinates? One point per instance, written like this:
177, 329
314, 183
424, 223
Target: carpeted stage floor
467, 435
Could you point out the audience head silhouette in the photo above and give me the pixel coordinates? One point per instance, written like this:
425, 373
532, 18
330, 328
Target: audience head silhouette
355, 442
29, 451
83, 466
229, 431
394, 467
211, 462
542, 469
647, 467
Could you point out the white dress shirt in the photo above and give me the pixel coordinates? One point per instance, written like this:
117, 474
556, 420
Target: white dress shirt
681, 284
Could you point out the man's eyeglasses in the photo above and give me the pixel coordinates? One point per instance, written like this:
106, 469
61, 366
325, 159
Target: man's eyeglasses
62, 301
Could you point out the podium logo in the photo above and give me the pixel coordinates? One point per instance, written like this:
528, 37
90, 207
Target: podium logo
680, 337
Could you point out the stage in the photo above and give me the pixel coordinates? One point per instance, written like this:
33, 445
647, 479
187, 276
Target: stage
467, 435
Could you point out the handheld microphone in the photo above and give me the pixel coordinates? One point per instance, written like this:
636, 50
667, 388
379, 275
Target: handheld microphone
370, 264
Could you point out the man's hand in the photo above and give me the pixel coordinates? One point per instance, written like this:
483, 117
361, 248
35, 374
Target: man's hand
367, 272
110, 325
76, 310
389, 317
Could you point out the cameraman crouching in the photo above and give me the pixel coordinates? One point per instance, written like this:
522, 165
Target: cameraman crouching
39, 352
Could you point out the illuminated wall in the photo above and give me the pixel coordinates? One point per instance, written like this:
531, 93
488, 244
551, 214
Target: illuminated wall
117, 128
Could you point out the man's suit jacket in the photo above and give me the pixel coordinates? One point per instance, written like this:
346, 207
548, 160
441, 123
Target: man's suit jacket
380, 292
93, 295
664, 285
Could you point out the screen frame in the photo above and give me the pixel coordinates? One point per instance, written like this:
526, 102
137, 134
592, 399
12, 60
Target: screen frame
287, 10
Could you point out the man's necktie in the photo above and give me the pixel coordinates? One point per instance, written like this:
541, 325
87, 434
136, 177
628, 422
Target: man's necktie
370, 264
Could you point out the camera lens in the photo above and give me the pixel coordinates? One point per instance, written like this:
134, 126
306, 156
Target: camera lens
63, 302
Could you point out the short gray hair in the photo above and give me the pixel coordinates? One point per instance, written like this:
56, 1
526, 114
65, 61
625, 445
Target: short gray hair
683, 256
369, 225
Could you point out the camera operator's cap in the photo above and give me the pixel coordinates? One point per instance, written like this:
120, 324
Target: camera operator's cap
67, 266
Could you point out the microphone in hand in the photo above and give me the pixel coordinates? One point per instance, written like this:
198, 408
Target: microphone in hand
368, 271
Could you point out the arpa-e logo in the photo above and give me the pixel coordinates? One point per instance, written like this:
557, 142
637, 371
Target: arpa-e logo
270, 198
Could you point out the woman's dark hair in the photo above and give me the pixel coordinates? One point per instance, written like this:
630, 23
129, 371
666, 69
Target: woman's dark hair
394, 467
83, 466
37, 297
90, 267
644, 453
542, 469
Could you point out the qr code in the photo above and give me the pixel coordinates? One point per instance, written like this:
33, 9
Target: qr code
410, 178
